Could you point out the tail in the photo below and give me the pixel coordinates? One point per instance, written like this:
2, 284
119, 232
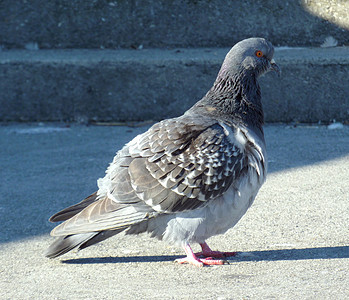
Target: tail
89, 222
64, 244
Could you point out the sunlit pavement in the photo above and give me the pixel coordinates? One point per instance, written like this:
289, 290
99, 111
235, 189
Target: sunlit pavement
293, 243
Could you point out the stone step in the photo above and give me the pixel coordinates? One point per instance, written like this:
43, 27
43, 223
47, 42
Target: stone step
53, 24
152, 84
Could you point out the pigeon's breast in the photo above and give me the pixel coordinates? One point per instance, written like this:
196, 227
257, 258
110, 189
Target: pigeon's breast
225, 211
216, 218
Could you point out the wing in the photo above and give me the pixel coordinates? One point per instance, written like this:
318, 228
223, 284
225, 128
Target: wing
177, 165
71, 211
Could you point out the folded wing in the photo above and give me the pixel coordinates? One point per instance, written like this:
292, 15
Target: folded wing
177, 165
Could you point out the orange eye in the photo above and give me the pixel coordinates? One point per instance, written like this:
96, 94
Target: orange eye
259, 53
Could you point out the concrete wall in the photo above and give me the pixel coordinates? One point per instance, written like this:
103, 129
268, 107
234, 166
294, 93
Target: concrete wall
173, 23
64, 77
126, 85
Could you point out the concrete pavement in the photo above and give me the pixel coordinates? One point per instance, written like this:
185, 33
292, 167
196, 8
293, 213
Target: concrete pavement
293, 243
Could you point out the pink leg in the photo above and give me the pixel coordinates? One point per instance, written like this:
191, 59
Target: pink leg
192, 259
207, 252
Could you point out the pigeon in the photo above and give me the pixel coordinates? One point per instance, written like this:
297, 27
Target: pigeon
188, 178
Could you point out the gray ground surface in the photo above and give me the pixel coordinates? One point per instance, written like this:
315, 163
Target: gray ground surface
292, 244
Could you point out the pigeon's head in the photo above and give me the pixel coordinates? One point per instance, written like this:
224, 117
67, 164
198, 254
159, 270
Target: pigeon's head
251, 55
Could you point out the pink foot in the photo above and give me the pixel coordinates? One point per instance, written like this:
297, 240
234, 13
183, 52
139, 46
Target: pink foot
192, 258
200, 262
207, 252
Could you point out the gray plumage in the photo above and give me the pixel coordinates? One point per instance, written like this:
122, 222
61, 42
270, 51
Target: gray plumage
187, 178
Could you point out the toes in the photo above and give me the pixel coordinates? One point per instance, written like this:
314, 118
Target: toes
200, 262
186, 260
210, 261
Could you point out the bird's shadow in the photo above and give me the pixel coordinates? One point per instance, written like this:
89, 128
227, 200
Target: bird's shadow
264, 255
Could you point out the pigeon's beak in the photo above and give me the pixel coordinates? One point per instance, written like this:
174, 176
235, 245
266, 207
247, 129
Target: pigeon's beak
274, 67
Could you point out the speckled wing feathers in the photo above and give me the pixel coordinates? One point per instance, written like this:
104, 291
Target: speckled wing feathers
177, 165
180, 164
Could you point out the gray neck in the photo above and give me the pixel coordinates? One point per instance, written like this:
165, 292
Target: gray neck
236, 97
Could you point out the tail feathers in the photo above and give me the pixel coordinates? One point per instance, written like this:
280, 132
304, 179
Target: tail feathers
101, 236
64, 244
71, 211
